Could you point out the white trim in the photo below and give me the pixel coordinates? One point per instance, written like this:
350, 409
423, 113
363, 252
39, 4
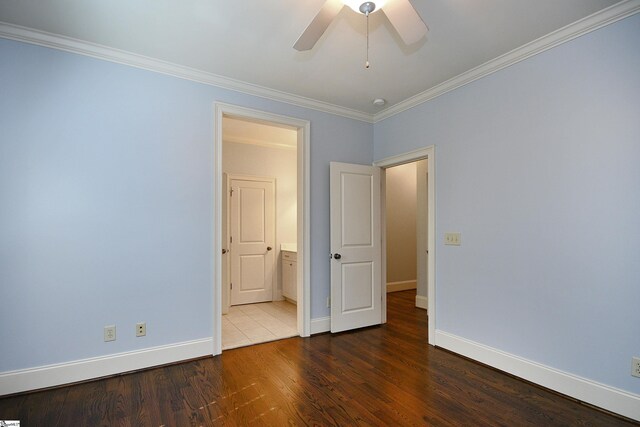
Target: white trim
592, 392
303, 128
258, 142
97, 367
69, 44
422, 302
320, 325
583, 26
430, 154
219, 194
422, 217
383, 238
304, 230
400, 159
431, 244
403, 285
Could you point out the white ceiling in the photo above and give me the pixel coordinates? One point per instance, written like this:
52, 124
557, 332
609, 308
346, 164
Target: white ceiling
251, 40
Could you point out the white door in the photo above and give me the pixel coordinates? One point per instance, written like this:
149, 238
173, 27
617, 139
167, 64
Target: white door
225, 247
252, 240
356, 286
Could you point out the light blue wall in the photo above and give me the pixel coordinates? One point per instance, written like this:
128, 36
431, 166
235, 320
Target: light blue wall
106, 203
538, 167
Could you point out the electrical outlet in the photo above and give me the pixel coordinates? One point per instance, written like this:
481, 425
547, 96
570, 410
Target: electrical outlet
141, 329
452, 239
635, 366
110, 333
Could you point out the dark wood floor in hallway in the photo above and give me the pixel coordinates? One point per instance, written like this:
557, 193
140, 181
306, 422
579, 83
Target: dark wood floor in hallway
385, 375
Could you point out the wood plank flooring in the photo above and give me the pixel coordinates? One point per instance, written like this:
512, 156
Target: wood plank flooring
384, 375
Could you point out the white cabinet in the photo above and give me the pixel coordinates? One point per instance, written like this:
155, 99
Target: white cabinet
289, 275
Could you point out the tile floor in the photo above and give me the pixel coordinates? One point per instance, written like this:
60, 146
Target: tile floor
255, 323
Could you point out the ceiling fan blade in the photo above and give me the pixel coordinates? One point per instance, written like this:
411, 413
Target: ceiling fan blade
405, 20
319, 24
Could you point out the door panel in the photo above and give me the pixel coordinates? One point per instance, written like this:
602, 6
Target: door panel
356, 292
358, 295
252, 215
252, 270
356, 197
252, 240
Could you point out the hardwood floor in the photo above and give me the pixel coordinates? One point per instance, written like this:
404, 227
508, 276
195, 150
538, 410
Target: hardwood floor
384, 375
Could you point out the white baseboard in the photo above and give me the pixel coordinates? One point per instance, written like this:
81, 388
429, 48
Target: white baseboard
96, 367
404, 285
594, 393
421, 302
320, 325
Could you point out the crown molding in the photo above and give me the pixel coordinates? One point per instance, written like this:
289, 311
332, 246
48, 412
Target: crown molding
68, 44
590, 23
583, 26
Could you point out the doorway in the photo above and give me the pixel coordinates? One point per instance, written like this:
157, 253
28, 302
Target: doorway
424, 197
296, 242
259, 164
401, 184
406, 231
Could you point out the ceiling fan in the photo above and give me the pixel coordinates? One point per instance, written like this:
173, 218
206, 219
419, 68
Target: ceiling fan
401, 14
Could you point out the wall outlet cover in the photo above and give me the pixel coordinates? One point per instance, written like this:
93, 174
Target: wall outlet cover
635, 366
110, 333
141, 329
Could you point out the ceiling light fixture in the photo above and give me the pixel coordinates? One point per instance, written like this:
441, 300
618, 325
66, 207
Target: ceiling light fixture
356, 5
379, 102
401, 14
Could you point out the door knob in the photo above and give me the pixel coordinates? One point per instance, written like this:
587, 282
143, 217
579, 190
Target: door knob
269, 248
337, 256
224, 251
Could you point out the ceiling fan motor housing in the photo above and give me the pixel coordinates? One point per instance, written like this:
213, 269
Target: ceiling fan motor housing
367, 7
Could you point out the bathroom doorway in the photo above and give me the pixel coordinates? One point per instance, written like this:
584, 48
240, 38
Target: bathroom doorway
260, 169
262, 207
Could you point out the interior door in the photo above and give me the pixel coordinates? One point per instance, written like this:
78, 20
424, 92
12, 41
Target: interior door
252, 239
356, 285
226, 297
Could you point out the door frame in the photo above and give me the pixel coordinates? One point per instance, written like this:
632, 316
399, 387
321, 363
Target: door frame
226, 303
408, 157
303, 128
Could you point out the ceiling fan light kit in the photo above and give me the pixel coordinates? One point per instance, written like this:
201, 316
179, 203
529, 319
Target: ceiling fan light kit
367, 7
356, 5
401, 14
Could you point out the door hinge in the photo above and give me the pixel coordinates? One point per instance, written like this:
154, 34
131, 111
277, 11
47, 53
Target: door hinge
231, 239
231, 285
231, 192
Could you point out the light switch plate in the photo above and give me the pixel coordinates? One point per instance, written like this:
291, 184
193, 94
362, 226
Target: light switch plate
453, 239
